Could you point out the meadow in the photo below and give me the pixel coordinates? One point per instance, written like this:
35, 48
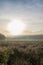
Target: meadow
21, 52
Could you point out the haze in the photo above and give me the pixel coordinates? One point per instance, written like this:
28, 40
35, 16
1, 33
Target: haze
30, 12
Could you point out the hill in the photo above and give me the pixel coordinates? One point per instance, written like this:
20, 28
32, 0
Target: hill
2, 37
26, 37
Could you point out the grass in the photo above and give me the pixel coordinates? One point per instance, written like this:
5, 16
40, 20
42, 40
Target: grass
21, 52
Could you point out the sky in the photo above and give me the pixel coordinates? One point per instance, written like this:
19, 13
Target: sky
29, 11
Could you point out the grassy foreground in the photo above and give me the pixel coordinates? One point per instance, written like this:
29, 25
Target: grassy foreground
21, 52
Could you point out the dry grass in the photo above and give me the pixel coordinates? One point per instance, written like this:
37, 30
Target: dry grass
24, 48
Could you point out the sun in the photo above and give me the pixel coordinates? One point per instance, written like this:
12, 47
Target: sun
15, 27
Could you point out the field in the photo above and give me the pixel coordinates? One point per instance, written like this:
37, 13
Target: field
21, 52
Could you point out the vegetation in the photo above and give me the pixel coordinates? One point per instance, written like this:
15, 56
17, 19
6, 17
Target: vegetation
14, 55
2, 37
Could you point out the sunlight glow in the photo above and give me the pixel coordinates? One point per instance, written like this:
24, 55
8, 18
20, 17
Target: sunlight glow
15, 27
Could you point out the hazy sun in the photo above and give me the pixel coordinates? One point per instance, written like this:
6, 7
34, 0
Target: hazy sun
15, 27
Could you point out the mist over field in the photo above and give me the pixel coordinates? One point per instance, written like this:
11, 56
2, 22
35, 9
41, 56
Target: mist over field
26, 38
